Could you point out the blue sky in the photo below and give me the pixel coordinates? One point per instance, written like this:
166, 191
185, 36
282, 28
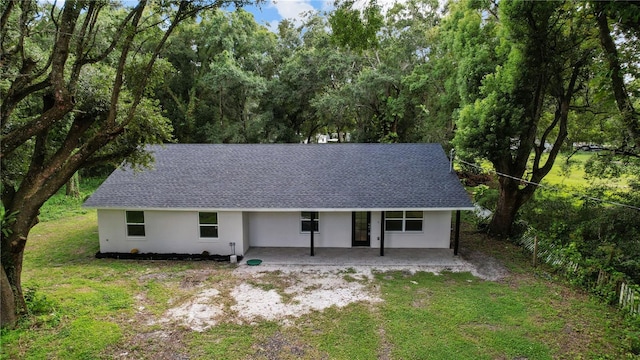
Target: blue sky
272, 11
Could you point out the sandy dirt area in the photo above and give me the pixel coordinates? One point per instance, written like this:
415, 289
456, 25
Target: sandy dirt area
281, 293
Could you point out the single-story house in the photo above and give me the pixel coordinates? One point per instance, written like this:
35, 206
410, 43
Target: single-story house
224, 199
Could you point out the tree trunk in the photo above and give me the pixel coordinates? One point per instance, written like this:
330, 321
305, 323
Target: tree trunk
625, 105
27, 201
51, 168
8, 316
13, 303
508, 205
73, 186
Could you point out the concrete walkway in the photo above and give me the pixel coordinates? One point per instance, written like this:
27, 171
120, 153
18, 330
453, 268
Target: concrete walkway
443, 258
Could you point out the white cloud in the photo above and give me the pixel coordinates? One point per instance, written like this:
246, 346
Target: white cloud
292, 9
273, 26
296, 10
385, 5
327, 5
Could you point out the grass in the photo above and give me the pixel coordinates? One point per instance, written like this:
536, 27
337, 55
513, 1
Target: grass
474, 319
86, 308
570, 174
60, 205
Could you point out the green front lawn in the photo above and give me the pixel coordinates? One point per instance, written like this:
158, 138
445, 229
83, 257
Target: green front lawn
85, 308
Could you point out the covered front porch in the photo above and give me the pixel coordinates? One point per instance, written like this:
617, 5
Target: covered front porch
443, 258
315, 230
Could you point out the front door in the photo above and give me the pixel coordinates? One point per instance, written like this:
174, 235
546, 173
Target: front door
361, 225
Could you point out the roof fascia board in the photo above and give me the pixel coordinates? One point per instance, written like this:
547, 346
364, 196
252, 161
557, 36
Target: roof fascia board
279, 209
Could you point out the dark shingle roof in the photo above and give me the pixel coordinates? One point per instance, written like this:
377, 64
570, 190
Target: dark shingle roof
288, 176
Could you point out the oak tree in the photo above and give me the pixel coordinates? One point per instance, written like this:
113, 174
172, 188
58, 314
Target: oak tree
516, 115
74, 89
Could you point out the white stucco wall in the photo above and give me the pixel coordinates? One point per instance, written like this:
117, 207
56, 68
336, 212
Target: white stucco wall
111, 231
170, 232
436, 232
282, 229
178, 232
375, 229
245, 232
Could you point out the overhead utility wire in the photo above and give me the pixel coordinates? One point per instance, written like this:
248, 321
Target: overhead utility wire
552, 188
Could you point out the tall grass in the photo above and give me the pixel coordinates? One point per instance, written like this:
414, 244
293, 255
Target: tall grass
60, 205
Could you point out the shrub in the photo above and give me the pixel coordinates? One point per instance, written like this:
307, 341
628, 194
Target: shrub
42, 310
485, 197
606, 235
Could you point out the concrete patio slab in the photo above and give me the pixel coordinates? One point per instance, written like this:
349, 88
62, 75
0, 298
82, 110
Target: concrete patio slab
357, 257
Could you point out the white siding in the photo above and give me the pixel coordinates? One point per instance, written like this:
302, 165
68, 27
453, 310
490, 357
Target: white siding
170, 232
375, 229
230, 229
111, 231
335, 230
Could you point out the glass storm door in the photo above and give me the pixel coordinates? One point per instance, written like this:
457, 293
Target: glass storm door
361, 234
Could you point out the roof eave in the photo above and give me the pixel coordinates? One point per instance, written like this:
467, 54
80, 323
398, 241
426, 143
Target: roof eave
317, 209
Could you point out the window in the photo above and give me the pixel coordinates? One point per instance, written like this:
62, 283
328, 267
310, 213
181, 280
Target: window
306, 223
394, 220
413, 221
403, 221
208, 224
135, 223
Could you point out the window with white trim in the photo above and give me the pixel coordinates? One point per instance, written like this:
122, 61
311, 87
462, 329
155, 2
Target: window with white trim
135, 223
306, 223
208, 222
403, 221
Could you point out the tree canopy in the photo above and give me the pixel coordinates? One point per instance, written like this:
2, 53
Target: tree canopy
88, 83
76, 88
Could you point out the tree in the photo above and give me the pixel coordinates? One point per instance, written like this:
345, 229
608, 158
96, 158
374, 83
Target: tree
222, 63
74, 92
301, 76
356, 29
627, 15
521, 108
389, 106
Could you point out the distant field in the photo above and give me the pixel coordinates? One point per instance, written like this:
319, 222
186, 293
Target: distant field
572, 175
